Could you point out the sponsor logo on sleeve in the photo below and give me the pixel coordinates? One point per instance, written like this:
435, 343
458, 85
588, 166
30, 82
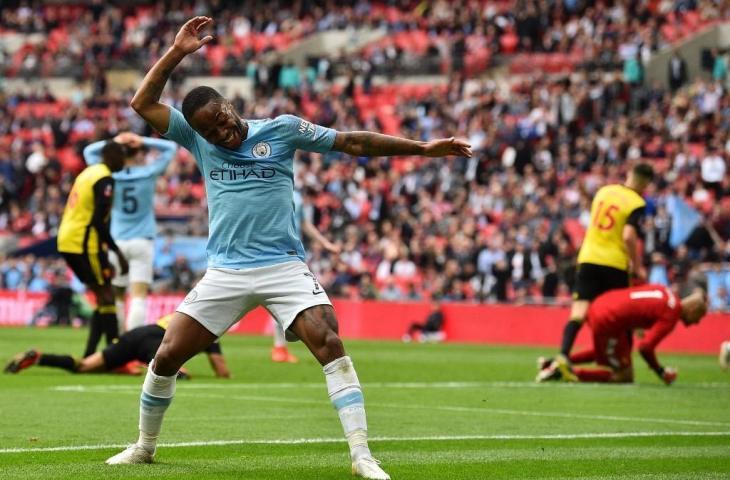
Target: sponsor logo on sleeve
306, 128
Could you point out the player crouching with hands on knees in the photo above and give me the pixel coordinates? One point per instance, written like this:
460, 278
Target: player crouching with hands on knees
613, 318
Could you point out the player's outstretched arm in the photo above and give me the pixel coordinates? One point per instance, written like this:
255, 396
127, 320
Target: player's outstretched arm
146, 101
219, 366
370, 144
647, 349
311, 231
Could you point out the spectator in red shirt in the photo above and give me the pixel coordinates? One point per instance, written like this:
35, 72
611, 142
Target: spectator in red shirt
614, 316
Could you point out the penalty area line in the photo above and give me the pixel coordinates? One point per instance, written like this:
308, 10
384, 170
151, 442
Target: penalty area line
433, 438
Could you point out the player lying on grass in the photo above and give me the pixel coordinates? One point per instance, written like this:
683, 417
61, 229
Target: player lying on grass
255, 256
613, 318
138, 344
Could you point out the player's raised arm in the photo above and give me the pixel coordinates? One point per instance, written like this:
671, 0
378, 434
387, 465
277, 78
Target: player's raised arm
370, 144
92, 152
146, 101
167, 150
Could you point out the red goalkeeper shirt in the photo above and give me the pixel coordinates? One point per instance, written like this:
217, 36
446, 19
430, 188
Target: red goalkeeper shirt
653, 308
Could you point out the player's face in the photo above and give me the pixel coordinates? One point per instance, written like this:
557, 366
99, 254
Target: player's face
219, 124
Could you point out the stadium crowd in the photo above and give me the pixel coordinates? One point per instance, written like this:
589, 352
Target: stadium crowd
504, 225
434, 37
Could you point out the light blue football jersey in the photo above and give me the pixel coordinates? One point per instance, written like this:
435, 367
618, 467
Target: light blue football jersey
250, 190
298, 212
133, 210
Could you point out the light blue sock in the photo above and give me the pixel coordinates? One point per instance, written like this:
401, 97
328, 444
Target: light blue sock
157, 393
346, 396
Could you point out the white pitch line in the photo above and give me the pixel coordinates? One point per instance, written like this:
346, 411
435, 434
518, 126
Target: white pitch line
433, 438
587, 416
281, 385
447, 408
498, 411
414, 385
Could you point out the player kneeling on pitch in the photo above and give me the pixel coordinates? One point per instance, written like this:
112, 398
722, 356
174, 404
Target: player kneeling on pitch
138, 344
613, 318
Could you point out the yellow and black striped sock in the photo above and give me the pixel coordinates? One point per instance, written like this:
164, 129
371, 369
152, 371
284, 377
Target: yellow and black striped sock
110, 326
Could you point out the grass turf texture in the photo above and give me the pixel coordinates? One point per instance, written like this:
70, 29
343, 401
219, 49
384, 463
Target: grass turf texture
434, 411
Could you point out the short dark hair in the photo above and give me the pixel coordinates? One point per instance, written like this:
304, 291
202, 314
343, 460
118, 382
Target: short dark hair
197, 98
645, 171
113, 151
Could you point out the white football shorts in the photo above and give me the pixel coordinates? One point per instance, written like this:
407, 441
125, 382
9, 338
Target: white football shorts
139, 253
225, 295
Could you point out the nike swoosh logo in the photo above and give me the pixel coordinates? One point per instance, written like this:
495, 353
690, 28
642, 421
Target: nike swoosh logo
317, 293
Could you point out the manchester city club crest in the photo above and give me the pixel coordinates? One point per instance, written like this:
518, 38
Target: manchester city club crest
190, 298
261, 150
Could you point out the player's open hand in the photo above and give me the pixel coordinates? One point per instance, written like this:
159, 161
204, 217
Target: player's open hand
639, 276
447, 147
130, 139
188, 38
332, 248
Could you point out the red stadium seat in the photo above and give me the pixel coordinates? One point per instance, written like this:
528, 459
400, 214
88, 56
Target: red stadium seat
575, 231
508, 42
216, 55
669, 32
70, 161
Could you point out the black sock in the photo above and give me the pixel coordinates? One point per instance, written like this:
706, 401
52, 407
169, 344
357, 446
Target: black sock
95, 330
66, 362
110, 327
571, 331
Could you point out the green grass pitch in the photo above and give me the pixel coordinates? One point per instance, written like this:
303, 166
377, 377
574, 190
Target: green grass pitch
434, 412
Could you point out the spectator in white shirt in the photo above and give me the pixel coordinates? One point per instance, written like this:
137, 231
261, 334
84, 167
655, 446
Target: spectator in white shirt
713, 171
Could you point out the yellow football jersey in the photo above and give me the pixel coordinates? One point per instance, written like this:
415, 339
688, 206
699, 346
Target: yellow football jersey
76, 234
610, 211
164, 321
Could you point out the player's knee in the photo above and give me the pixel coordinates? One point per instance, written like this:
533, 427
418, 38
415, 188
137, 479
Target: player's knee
333, 343
328, 315
623, 376
105, 296
167, 361
139, 289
